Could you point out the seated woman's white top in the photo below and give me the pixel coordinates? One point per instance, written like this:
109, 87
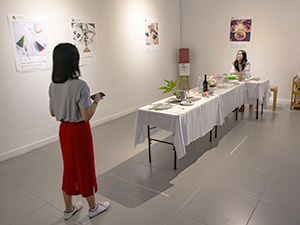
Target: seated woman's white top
246, 70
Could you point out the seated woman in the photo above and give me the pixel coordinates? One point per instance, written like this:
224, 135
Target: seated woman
241, 67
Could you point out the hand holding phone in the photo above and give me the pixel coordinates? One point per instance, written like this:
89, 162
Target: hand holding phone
101, 95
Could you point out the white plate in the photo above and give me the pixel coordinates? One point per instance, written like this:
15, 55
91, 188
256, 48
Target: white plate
186, 103
162, 106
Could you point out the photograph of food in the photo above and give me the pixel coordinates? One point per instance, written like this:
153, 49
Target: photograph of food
240, 30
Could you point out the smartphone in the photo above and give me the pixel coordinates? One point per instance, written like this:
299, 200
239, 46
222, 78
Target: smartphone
94, 95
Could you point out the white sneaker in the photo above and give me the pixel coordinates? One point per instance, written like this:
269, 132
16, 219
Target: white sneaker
77, 206
100, 208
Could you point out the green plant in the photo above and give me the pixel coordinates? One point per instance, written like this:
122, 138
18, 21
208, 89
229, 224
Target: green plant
170, 84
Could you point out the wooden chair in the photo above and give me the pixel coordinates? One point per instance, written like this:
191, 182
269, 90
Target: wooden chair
295, 92
274, 89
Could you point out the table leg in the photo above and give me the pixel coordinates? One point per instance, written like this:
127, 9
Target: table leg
257, 109
149, 144
161, 141
175, 158
236, 113
210, 135
262, 106
216, 127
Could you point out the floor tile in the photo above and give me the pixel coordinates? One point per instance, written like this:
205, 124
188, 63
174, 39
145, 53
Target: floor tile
117, 182
111, 192
292, 147
16, 204
179, 219
6, 185
256, 158
30, 164
236, 177
269, 214
162, 207
44, 215
177, 187
52, 152
133, 171
283, 188
212, 205
47, 186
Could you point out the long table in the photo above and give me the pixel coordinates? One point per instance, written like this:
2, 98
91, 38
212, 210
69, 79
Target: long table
189, 123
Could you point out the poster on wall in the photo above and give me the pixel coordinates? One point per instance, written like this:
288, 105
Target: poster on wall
151, 33
240, 33
30, 42
84, 38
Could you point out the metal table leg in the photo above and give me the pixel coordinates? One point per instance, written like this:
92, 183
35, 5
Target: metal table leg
165, 142
175, 158
257, 109
262, 106
149, 144
216, 131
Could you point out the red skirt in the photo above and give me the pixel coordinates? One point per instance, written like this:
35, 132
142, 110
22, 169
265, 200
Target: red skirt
77, 149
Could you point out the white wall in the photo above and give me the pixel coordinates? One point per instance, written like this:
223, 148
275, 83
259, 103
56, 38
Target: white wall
125, 71
275, 47
128, 73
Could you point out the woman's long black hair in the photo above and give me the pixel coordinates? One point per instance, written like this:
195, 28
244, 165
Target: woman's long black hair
65, 63
243, 63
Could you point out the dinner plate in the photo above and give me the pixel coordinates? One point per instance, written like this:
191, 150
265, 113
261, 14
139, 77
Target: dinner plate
194, 99
162, 106
186, 103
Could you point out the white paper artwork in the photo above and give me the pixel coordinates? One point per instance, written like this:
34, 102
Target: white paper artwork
240, 32
151, 33
30, 42
84, 38
184, 69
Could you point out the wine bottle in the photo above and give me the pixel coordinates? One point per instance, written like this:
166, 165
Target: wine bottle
205, 83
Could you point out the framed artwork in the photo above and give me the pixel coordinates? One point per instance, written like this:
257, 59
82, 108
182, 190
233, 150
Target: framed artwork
240, 32
151, 33
30, 42
84, 38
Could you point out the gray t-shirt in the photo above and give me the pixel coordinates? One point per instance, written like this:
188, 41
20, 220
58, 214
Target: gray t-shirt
66, 99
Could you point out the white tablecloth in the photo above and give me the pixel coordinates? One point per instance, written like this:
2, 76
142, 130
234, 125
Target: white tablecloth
232, 98
189, 123
258, 90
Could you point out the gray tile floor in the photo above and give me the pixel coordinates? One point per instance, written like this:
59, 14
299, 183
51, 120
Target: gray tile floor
249, 175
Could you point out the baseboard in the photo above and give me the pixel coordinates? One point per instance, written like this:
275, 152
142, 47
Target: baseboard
113, 117
280, 101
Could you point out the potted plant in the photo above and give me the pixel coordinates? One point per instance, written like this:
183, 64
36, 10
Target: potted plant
170, 84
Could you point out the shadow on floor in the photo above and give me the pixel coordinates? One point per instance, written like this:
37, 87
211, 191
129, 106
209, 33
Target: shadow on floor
141, 180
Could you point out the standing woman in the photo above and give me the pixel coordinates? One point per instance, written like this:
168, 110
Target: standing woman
241, 67
70, 103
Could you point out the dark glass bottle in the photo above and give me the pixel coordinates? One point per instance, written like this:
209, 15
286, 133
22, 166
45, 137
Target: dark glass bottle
205, 83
